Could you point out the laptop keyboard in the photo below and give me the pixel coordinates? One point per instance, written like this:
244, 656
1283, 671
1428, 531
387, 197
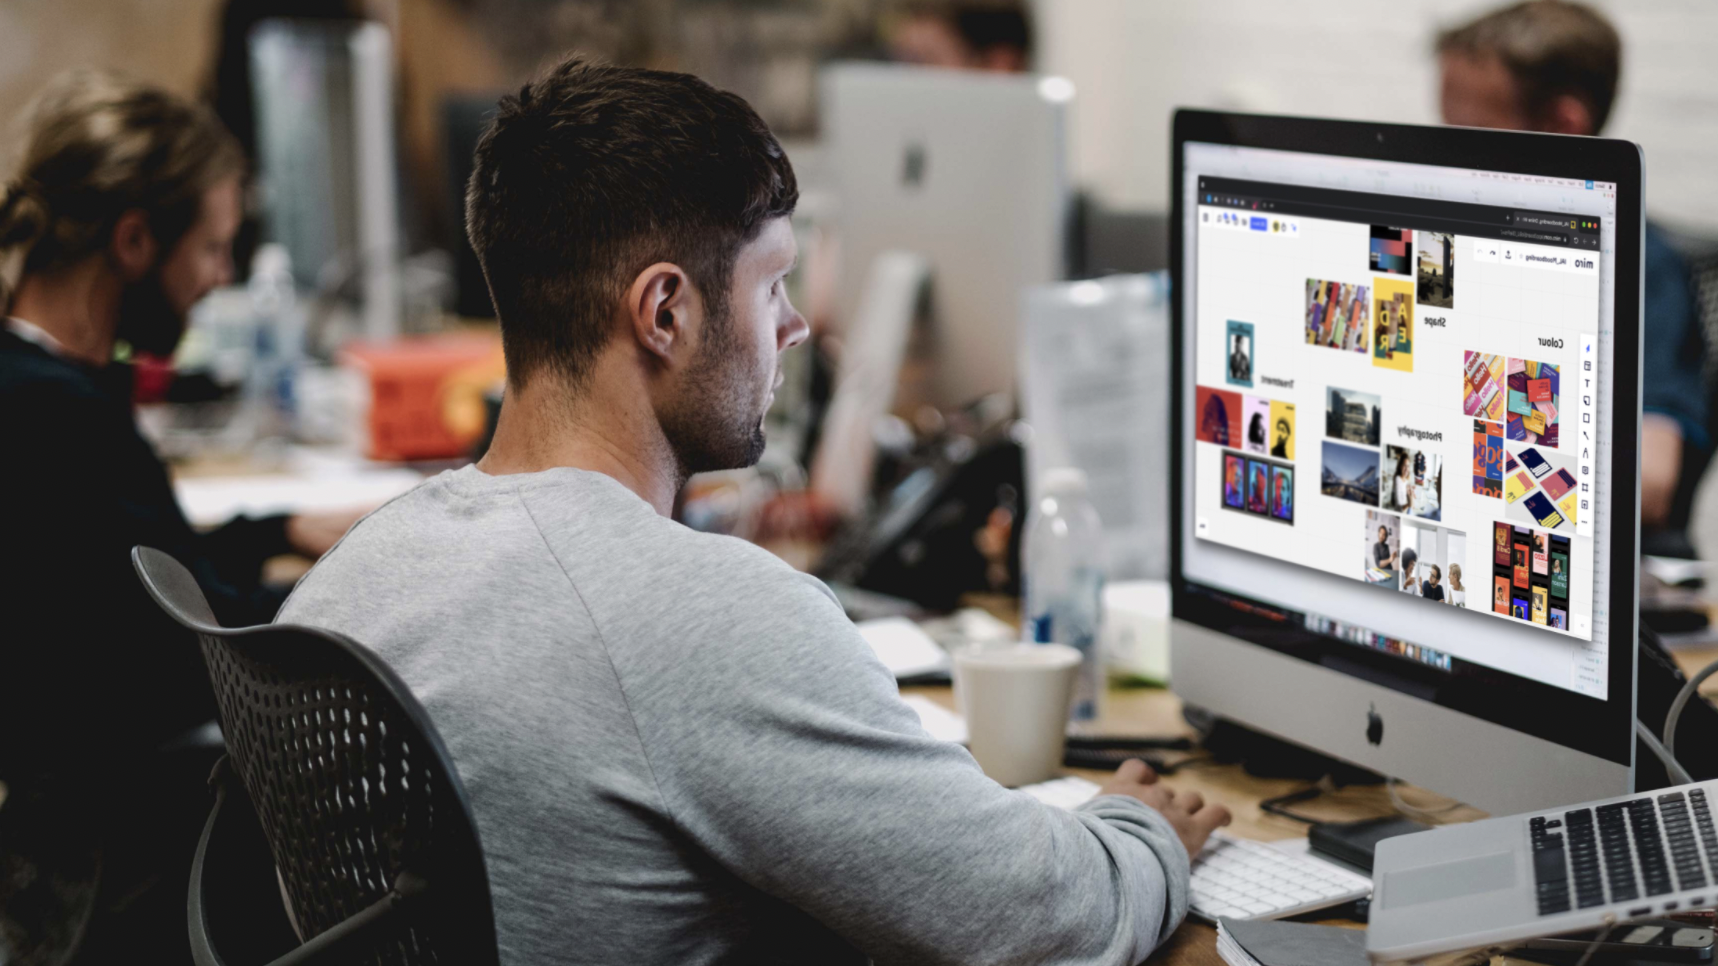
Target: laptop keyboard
1649, 846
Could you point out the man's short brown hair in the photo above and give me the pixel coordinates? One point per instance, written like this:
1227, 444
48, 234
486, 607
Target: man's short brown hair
592, 174
1552, 48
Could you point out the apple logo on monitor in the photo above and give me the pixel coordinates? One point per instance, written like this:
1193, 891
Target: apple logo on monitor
1374, 725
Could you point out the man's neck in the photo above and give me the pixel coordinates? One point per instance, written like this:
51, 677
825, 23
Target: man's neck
539, 430
78, 307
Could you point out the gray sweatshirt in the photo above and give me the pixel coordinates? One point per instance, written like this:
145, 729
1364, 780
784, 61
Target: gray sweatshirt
679, 750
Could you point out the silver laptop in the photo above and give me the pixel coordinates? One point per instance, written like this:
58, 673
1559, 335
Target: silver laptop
1506, 880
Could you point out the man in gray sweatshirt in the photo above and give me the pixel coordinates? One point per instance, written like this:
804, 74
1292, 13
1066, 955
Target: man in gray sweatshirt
677, 748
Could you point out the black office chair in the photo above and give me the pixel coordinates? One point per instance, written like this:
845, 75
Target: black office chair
364, 815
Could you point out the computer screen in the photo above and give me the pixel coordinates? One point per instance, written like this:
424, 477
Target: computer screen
968, 171
1397, 401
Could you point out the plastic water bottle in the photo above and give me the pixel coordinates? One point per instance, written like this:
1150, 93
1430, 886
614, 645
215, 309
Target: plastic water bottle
1064, 581
278, 327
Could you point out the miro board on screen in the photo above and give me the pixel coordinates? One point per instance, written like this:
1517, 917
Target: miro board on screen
1394, 331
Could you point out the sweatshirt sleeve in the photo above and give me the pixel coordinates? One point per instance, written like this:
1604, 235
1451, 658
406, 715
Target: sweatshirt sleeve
780, 745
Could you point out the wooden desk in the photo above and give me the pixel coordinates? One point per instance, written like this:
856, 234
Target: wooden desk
1157, 712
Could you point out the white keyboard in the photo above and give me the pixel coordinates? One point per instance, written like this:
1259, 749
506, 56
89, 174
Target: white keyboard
1239, 878
1243, 879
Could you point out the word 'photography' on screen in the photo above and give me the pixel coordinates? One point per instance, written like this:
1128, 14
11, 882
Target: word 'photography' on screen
1389, 393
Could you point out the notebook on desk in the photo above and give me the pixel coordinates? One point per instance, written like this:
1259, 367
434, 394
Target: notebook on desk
1251, 943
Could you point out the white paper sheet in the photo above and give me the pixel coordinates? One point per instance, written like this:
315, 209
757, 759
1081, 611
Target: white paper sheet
903, 647
938, 720
313, 484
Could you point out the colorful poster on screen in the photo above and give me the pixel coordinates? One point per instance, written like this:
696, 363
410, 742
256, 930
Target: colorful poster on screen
1534, 394
1282, 430
1393, 325
1217, 416
1336, 315
1255, 423
1238, 368
1482, 386
1487, 458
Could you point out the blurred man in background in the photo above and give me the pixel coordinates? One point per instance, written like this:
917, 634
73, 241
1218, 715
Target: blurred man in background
1552, 65
119, 218
970, 35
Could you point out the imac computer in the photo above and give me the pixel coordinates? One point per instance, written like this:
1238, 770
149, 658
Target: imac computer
967, 171
1406, 418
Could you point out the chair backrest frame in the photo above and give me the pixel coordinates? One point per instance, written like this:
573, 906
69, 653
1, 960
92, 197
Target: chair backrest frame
349, 778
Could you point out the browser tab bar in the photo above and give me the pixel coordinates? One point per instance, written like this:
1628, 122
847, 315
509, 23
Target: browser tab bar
1425, 211
1538, 219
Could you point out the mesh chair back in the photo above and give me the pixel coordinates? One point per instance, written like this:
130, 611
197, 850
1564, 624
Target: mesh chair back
351, 783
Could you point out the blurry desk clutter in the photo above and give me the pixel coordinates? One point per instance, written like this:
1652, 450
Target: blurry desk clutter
297, 480
1094, 369
1674, 600
308, 479
1132, 712
943, 517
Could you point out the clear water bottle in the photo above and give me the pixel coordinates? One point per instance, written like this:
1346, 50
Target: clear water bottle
1063, 558
278, 328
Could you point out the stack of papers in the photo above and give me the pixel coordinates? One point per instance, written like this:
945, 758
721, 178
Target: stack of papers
1253, 942
940, 722
903, 647
313, 480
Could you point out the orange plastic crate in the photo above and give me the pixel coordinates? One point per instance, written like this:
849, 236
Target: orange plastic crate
426, 392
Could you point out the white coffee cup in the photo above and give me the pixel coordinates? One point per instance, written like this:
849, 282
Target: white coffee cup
1015, 699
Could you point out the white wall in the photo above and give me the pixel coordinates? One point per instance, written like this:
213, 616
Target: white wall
159, 42
1134, 61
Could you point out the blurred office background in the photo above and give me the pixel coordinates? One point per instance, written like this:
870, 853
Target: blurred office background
1130, 61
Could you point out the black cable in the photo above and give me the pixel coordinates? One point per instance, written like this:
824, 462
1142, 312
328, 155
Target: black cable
1108, 759
1275, 805
1105, 753
1107, 742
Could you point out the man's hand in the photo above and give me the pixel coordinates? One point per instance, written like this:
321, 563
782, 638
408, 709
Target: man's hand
1191, 816
314, 534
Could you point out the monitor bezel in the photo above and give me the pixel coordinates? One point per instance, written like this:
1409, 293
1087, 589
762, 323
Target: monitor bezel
1600, 728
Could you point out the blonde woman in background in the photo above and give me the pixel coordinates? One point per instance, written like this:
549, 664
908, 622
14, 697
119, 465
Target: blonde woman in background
119, 217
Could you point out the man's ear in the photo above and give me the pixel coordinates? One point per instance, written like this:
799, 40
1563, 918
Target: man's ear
662, 310
133, 247
1567, 114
